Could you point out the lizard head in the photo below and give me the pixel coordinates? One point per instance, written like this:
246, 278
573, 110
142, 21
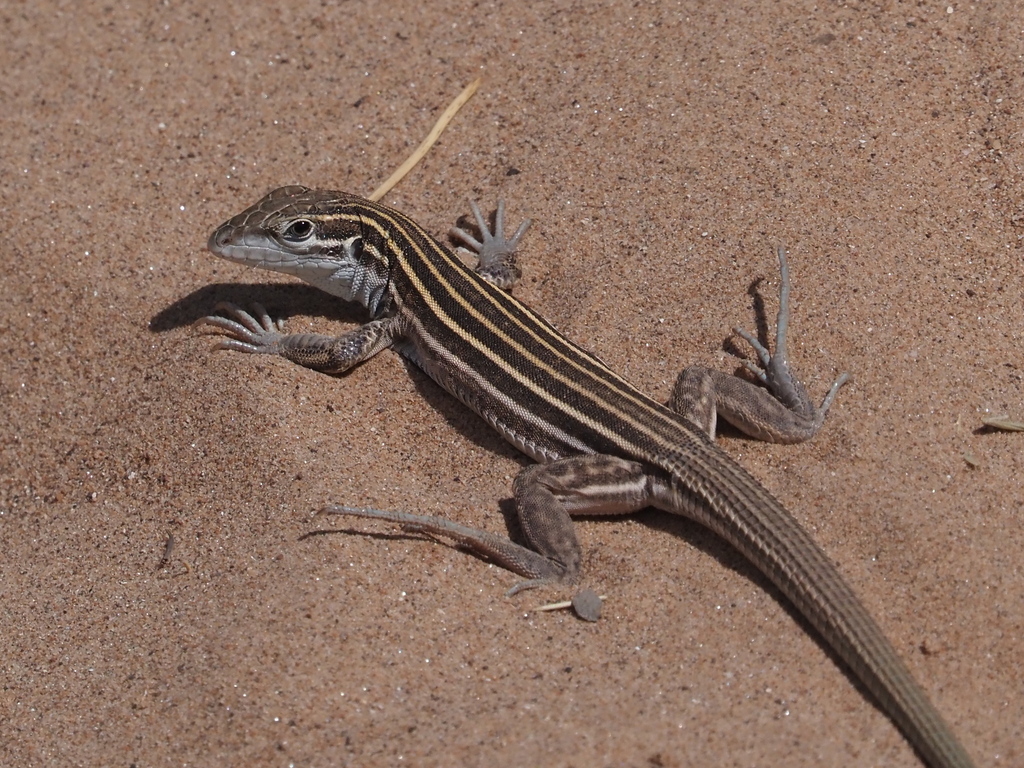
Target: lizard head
315, 235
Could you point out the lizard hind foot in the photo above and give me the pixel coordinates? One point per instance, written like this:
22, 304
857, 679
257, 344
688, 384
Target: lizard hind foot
775, 372
494, 548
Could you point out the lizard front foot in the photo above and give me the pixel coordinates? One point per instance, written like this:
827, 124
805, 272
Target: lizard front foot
497, 253
256, 334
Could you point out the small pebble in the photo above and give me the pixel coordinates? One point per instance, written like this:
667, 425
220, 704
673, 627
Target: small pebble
587, 605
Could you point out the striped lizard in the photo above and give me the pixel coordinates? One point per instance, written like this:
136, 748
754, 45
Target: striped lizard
602, 446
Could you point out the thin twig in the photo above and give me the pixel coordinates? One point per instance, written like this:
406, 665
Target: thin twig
439, 126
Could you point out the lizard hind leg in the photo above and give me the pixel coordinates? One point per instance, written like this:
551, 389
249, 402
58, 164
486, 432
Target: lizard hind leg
780, 411
546, 496
498, 549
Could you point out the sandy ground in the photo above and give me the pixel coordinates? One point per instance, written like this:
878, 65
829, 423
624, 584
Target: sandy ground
664, 150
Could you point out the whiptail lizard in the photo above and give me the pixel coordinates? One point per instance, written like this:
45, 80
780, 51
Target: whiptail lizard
603, 446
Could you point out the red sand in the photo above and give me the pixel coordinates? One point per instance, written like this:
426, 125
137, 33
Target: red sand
664, 151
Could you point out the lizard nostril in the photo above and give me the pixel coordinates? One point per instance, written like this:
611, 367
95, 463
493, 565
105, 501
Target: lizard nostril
218, 239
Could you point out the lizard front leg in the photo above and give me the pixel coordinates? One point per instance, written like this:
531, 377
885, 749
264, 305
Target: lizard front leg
260, 334
546, 497
779, 412
496, 253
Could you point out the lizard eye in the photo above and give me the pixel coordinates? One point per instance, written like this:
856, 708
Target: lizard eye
298, 230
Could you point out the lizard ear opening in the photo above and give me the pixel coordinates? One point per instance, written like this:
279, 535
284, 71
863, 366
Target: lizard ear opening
355, 247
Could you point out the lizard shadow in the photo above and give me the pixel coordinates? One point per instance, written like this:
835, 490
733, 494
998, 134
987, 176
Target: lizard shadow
703, 540
283, 300
460, 418
738, 347
286, 300
709, 543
